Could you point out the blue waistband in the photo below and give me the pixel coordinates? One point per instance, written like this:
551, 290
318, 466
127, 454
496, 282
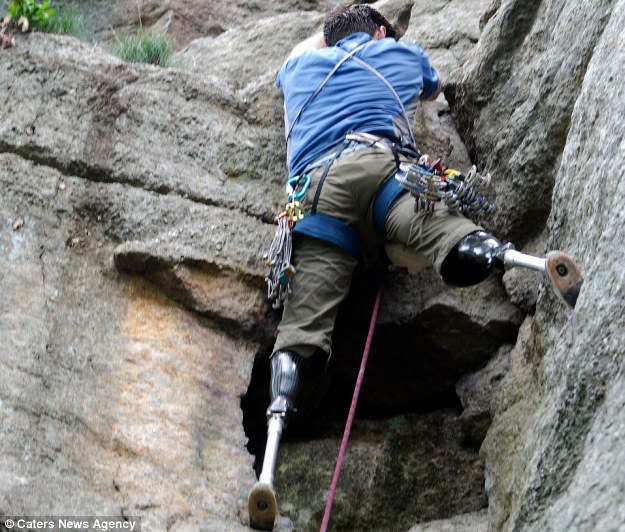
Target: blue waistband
332, 230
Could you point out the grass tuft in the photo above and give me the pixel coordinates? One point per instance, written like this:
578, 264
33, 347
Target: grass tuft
146, 48
67, 22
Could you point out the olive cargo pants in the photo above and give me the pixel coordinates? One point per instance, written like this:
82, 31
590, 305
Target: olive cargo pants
324, 271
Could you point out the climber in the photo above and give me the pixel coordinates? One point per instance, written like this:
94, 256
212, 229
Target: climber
350, 95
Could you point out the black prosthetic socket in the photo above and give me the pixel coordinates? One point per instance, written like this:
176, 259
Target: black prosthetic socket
287, 375
473, 259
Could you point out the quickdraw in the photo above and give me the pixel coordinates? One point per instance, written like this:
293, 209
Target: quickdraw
278, 258
429, 182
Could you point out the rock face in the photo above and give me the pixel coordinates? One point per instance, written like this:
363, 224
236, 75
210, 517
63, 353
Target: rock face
136, 204
109, 388
552, 455
517, 118
182, 20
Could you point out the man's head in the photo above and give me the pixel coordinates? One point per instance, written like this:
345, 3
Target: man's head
345, 20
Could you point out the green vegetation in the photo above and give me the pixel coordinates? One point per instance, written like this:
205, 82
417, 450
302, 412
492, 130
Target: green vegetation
146, 48
67, 22
37, 13
42, 16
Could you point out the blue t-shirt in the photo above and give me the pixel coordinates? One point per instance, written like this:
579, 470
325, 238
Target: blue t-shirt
353, 99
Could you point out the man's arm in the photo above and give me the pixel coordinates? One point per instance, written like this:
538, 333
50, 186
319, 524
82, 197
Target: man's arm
432, 84
437, 90
316, 41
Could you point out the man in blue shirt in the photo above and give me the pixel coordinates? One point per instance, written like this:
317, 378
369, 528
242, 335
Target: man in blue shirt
352, 81
352, 100
350, 96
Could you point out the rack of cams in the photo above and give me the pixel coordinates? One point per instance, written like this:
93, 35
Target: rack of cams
278, 259
431, 183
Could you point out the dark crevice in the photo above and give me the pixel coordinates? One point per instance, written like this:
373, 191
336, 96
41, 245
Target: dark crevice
324, 403
318, 427
516, 23
494, 92
394, 415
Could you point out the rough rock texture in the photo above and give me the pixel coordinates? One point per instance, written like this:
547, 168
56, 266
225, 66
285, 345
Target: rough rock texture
136, 202
449, 30
515, 116
114, 400
180, 20
554, 454
400, 456
469, 522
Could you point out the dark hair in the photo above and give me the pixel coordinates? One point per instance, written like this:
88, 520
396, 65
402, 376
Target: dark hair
347, 19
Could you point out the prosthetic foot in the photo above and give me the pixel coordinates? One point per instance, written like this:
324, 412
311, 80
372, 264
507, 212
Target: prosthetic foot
286, 375
561, 270
479, 254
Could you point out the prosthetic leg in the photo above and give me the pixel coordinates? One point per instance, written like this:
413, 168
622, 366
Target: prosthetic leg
479, 254
286, 376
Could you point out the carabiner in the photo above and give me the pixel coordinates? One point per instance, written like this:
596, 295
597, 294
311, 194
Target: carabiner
294, 183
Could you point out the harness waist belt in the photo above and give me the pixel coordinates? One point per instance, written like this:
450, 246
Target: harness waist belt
354, 142
332, 230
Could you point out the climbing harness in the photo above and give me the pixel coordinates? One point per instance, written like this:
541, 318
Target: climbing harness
317, 225
293, 219
429, 182
352, 411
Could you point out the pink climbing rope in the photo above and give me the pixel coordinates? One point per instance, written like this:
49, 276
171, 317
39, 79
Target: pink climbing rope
350, 416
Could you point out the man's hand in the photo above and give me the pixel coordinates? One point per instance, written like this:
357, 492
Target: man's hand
316, 41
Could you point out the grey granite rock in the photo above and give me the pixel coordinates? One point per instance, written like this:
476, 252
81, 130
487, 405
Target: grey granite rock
136, 203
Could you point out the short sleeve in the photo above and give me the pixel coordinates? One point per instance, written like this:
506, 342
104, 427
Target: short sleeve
431, 81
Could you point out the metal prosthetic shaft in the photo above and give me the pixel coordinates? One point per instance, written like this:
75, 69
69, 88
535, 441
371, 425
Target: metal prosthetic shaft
275, 426
512, 258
